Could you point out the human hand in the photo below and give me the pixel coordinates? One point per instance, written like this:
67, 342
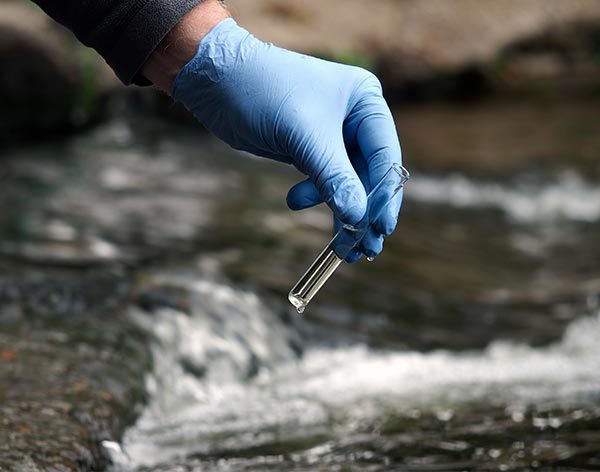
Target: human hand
329, 120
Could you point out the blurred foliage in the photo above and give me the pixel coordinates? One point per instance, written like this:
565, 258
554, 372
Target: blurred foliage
89, 87
355, 58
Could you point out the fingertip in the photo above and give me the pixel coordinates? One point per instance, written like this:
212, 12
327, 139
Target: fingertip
386, 224
386, 227
354, 256
372, 244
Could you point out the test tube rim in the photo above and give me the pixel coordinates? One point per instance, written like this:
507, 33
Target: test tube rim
402, 172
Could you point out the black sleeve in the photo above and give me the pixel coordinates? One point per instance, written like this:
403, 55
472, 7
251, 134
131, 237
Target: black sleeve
124, 32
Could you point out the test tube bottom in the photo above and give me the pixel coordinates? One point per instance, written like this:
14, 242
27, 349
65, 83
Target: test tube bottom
314, 278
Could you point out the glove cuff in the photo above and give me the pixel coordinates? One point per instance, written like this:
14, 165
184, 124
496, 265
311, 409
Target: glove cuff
218, 49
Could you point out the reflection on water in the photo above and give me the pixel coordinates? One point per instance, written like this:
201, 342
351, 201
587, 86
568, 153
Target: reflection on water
471, 343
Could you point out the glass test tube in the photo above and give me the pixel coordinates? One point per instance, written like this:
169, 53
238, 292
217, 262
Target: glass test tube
347, 238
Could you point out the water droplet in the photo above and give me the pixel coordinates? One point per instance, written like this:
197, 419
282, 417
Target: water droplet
301, 309
370, 259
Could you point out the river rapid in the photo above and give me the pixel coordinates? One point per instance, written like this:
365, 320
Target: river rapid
470, 344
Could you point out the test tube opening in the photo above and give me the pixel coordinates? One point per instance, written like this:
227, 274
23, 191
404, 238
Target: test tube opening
402, 172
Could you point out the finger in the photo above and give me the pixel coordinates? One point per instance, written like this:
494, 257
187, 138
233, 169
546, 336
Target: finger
376, 136
386, 223
337, 182
303, 195
372, 244
354, 256
337, 225
265, 153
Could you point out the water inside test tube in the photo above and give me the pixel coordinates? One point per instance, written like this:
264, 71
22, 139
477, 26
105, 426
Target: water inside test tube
346, 239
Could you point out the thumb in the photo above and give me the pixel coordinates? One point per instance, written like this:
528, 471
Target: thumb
338, 184
303, 195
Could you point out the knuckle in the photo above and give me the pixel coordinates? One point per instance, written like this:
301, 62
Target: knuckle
370, 81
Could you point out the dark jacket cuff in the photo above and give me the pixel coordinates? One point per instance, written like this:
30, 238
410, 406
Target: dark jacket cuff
142, 36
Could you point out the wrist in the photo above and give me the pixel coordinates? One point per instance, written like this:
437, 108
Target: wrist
180, 45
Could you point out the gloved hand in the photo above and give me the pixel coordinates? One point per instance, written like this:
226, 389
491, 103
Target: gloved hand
329, 120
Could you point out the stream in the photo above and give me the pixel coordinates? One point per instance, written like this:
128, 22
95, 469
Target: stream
471, 343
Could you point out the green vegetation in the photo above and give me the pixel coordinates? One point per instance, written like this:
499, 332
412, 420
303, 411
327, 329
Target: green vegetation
351, 57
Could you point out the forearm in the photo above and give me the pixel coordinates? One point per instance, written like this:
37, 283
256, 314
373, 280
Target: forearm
127, 33
180, 45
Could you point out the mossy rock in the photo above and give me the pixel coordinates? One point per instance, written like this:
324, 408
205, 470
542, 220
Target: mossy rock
49, 82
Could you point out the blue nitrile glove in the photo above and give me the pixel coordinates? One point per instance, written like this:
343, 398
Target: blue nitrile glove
329, 120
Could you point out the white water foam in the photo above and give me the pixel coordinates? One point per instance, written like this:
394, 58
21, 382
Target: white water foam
567, 197
348, 386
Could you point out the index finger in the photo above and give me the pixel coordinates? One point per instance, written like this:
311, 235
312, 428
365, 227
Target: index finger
378, 141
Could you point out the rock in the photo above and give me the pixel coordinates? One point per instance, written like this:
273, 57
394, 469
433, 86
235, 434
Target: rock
412, 42
439, 34
421, 50
71, 369
49, 82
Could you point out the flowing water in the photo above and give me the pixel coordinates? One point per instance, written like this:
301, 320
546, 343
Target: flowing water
470, 344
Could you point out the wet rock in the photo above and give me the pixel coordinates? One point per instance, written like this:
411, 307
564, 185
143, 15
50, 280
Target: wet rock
49, 82
71, 370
